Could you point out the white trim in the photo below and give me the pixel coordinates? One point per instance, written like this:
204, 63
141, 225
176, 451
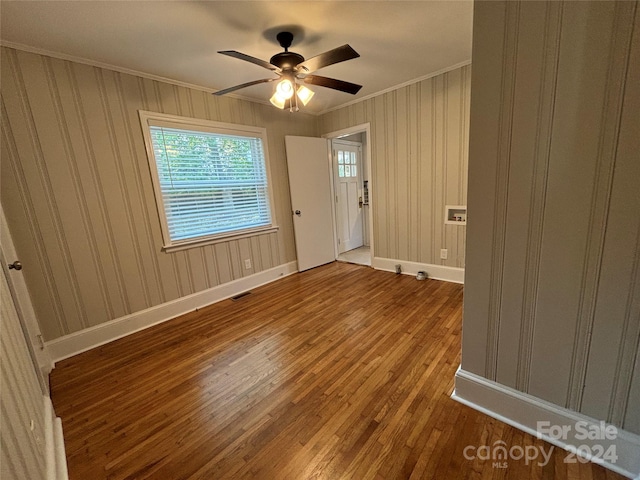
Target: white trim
400, 85
523, 411
55, 457
366, 129
435, 272
61, 457
78, 342
202, 241
49, 442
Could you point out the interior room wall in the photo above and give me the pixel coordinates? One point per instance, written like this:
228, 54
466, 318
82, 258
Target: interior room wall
419, 138
78, 196
552, 287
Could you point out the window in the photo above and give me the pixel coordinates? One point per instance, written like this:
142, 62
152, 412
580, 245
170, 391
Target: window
347, 164
210, 179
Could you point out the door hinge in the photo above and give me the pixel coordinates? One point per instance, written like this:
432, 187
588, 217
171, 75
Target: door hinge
41, 340
336, 198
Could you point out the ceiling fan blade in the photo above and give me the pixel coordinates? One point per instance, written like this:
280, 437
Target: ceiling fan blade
250, 59
341, 85
248, 84
337, 55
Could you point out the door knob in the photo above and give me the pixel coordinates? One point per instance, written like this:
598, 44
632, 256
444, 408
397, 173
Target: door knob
15, 265
360, 202
297, 212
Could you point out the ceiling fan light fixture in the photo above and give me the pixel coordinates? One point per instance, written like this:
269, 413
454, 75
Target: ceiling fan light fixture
278, 101
292, 67
304, 94
285, 89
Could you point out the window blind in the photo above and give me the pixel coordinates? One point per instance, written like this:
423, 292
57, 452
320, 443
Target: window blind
211, 183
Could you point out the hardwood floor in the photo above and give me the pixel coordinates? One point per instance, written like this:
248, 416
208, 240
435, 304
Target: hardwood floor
338, 372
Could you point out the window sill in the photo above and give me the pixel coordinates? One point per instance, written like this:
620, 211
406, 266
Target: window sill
201, 242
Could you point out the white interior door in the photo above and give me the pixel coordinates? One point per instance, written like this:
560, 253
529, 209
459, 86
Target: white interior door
30, 428
23, 306
309, 182
348, 183
23, 423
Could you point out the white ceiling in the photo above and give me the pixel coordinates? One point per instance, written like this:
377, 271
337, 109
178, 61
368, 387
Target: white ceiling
398, 41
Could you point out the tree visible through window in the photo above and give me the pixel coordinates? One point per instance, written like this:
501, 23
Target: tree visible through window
210, 183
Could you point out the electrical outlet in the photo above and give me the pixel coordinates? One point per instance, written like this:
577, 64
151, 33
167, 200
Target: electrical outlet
247, 264
444, 253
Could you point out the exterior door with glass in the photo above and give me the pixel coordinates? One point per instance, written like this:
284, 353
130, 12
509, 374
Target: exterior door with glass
348, 186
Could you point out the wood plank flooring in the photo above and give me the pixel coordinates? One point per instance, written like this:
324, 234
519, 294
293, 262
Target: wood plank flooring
335, 373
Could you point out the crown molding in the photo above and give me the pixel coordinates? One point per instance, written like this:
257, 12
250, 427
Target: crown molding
128, 71
396, 87
159, 78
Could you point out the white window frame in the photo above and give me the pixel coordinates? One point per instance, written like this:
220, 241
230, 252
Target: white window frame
148, 119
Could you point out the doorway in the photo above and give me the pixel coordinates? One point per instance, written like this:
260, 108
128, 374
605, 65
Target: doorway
314, 198
350, 181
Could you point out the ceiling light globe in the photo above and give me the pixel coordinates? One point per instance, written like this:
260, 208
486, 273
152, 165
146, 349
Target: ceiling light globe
304, 94
278, 101
285, 89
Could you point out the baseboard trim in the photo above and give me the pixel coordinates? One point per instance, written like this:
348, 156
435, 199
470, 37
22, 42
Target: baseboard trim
78, 342
524, 411
435, 272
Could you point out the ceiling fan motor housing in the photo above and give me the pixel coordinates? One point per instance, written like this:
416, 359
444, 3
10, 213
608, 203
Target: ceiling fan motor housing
286, 60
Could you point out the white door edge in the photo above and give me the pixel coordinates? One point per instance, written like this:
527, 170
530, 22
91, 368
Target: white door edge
24, 306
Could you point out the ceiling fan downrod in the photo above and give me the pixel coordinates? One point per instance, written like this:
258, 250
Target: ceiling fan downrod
285, 39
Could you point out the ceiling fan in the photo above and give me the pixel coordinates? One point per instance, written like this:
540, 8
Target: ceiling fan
292, 68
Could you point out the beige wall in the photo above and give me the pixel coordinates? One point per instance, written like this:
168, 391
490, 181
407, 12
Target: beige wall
419, 136
552, 292
77, 192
